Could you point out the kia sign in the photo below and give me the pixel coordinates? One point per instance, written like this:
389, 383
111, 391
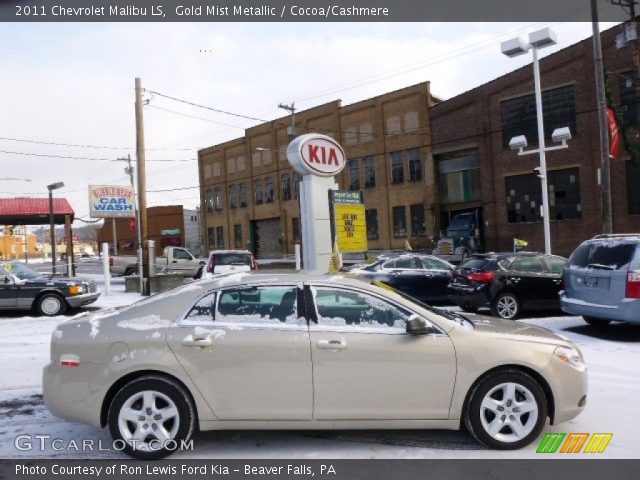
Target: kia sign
111, 201
315, 154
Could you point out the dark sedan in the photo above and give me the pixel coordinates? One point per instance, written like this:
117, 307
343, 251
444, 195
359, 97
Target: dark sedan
508, 283
424, 277
24, 289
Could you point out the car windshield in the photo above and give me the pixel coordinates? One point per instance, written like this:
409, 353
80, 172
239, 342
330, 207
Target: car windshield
20, 270
453, 316
474, 264
232, 259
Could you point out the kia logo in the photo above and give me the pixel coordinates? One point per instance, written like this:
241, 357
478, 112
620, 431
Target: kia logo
316, 154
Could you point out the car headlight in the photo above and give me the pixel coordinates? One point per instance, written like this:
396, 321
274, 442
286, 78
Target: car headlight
572, 357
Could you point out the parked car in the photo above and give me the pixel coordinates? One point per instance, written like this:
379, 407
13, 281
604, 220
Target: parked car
602, 280
231, 261
176, 260
424, 277
292, 351
22, 288
508, 283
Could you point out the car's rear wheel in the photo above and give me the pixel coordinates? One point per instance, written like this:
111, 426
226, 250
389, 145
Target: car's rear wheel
151, 416
51, 304
596, 322
507, 306
506, 410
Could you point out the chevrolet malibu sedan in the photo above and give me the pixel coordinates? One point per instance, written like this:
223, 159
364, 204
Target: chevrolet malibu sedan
298, 352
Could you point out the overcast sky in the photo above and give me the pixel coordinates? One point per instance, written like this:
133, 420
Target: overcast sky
74, 84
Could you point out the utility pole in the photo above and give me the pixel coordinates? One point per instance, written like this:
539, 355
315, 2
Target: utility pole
291, 109
129, 171
605, 160
143, 250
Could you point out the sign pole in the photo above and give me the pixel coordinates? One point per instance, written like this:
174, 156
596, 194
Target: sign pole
115, 236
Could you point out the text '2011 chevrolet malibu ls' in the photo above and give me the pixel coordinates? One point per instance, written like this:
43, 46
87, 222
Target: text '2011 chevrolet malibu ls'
299, 351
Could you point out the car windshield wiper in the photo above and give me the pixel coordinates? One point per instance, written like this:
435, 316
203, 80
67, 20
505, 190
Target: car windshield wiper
599, 266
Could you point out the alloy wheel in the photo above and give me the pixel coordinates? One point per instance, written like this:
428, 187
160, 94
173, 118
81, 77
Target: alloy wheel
509, 412
148, 419
507, 306
51, 305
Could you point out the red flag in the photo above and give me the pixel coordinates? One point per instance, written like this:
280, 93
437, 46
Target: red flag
614, 134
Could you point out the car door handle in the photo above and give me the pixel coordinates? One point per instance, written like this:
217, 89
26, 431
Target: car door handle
196, 342
332, 344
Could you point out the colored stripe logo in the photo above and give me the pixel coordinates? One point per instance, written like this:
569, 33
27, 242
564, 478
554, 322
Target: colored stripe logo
574, 443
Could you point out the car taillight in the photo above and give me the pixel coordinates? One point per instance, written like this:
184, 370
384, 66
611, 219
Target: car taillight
212, 264
633, 284
254, 264
481, 277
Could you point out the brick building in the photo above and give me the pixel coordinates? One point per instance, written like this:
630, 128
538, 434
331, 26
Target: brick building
249, 192
477, 169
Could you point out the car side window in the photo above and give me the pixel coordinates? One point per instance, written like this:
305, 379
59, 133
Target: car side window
181, 254
432, 264
341, 307
203, 310
555, 264
527, 265
261, 305
406, 262
388, 265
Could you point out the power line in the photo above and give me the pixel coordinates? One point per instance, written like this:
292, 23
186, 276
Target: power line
79, 145
95, 159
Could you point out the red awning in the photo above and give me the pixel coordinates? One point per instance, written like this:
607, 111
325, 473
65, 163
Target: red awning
33, 211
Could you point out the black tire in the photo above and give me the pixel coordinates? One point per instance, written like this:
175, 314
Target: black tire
46, 305
128, 271
498, 311
472, 410
199, 274
597, 322
468, 308
171, 389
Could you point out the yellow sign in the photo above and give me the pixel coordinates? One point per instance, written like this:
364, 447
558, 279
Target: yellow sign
351, 227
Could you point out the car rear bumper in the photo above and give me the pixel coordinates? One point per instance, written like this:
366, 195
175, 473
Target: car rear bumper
473, 296
627, 311
80, 300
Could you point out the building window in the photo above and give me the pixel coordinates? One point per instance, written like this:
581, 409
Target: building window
208, 199
399, 222
629, 98
217, 198
237, 235
633, 181
397, 167
231, 165
233, 196
258, 194
219, 237
418, 225
459, 176
415, 165
242, 197
285, 186
524, 196
216, 169
240, 164
518, 115
211, 238
270, 190
295, 229
369, 165
353, 170
296, 184
371, 217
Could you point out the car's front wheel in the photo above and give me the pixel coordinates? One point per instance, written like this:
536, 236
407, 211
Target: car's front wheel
151, 416
506, 410
596, 322
507, 306
51, 304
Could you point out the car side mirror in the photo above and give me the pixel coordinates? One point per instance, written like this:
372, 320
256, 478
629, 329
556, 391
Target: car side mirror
5, 279
419, 326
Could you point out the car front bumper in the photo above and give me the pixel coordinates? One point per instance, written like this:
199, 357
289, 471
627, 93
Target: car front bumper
628, 310
569, 388
84, 299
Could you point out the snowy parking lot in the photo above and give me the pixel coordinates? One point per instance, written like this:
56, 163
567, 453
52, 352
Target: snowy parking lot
612, 356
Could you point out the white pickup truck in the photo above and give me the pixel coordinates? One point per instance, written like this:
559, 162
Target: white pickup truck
173, 260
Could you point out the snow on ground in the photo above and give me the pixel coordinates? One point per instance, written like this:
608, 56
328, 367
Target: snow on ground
612, 356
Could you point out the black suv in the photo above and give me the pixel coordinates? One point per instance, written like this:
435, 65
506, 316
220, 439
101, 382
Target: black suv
508, 283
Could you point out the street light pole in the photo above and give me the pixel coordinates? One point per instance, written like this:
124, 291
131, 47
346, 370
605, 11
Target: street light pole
543, 158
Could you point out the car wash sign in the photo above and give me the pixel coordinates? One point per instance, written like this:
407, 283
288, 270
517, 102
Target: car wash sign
348, 220
111, 201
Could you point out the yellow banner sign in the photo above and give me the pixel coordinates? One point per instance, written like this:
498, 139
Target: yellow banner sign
351, 227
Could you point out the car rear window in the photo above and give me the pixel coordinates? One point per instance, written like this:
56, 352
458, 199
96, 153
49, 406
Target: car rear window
232, 259
474, 264
610, 254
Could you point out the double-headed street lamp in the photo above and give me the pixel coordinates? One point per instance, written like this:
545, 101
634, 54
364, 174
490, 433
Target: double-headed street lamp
51, 188
513, 48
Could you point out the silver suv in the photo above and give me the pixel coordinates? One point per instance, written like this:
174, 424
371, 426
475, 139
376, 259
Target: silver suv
602, 280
